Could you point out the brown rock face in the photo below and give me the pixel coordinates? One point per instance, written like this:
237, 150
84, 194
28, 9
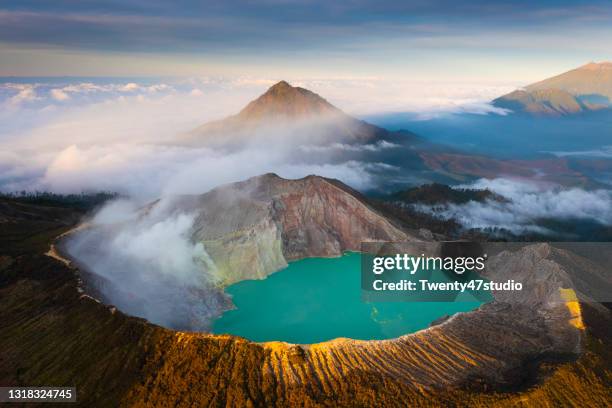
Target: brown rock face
282, 113
321, 217
285, 101
252, 228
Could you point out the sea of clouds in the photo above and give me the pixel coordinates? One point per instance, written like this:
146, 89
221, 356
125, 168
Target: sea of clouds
72, 135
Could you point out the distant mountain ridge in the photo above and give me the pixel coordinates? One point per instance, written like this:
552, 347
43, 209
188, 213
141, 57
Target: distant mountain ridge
307, 130
590, 79
584, 89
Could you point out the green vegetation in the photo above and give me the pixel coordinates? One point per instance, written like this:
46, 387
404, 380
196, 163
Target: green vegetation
400, 207
407, 217
436, 193
82, 201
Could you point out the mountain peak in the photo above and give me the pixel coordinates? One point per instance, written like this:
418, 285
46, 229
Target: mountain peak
280, 85
586, 88
594, 78
595, 66
282, 100
298, 113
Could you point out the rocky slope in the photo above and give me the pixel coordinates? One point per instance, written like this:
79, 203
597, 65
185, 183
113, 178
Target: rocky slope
587, 88
511, 352
285, 113
552, 102
252, 228
283, 101
590, 79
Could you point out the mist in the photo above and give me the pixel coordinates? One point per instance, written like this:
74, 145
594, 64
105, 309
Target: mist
143, 261
69, 136
526, 204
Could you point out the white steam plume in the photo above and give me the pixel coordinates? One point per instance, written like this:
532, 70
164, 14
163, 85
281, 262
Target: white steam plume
144, 262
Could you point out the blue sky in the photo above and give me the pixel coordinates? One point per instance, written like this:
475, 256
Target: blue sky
430, 40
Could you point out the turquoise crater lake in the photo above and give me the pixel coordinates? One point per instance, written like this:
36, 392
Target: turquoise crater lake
319, 299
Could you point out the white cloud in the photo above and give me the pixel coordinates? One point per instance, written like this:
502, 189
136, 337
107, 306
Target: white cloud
84, 87
605, 153
158, 88
59, 95
149, 170
130, 87
527, 203
372, 147
25, 93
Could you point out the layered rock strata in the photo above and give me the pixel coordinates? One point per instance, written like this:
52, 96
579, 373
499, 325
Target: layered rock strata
252, 228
